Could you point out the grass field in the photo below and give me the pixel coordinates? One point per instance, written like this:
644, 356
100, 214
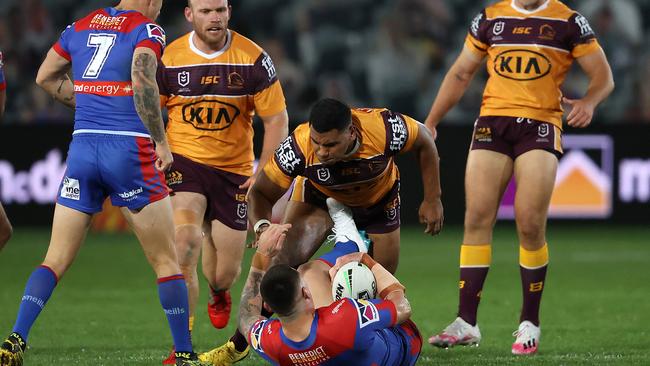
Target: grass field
595, 311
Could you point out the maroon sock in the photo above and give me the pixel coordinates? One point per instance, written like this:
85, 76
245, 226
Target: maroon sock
532, 283
239, 340
470, 287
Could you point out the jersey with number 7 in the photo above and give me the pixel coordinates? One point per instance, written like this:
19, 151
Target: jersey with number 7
100, 47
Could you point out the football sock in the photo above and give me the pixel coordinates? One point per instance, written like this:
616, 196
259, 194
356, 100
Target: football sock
38, 290
474, 265
173, 298
340, 249
239, 340
532, 267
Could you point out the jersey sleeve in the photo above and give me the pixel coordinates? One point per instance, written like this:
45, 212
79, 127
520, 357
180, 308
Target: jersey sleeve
62, 46
582, 39
401, 132
267, 93
152, 36
477, 40
255, 340
287, 163
3, 82
163, 86
371, 315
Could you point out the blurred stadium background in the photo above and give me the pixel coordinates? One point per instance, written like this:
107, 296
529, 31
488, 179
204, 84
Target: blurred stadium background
390, 53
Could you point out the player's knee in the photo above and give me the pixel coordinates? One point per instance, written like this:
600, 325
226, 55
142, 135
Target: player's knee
188, 240
477, 220
530, 234
307, 269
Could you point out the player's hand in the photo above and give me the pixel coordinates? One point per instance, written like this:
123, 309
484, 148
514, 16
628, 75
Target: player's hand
248, 184
272, 239
165, 158
582, 111
431, 215
341, 261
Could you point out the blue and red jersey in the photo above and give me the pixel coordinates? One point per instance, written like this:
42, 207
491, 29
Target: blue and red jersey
3, 83
100, 47
348, 332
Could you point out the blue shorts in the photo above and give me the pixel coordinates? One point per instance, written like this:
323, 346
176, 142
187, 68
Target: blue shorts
404, 342
120, 167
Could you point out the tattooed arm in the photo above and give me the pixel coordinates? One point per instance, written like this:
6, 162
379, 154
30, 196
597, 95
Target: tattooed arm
147, 102
53, 78
250, 306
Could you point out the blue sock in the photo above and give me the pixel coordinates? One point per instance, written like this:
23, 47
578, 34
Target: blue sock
173, 298
38, 290
340, 249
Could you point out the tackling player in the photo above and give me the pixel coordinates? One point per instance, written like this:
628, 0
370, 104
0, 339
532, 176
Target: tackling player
347, 154
114, 54
5, 226
345, 332
213, 81
530, 45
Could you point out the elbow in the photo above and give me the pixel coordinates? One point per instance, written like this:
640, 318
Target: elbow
41, 80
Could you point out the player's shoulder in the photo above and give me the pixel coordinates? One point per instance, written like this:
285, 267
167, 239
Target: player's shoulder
265, 335
245, 47
177, 49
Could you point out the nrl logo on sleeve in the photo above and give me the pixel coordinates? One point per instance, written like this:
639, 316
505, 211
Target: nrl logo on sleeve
256, 335
156, 32
323, 174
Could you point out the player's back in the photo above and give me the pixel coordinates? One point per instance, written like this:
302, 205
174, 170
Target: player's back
100, 47
348, 332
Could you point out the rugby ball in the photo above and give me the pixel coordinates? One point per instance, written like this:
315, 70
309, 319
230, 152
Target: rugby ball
354, 280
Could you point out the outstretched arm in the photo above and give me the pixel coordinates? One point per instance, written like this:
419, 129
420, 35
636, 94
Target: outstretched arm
601, 84
53, 78
250, 305
453, 86
147, 102
431, 211
276, 129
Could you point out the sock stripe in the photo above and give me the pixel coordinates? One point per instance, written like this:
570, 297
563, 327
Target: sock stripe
51, 270
533, 259
170, 278
475, 256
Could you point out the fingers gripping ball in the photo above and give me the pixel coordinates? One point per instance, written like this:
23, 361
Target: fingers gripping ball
354, 280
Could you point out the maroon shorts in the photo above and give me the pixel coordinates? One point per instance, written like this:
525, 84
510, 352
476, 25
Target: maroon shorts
514, 136
381, 218
226, 201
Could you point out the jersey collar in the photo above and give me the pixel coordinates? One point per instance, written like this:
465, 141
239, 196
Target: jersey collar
528, 12
307, 342
210, 55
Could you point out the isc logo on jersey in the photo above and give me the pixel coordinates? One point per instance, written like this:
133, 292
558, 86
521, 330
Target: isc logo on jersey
70, 189
522, 65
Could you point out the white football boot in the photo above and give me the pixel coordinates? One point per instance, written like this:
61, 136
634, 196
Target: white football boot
458, 333
527, 339
344, 227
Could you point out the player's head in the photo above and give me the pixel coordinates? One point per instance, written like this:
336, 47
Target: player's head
148, 8
530, 3
283, 290
209, 19
331, 132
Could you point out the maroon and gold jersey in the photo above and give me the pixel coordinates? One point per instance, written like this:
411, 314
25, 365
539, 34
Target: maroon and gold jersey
211, 99
366, 175
529, 54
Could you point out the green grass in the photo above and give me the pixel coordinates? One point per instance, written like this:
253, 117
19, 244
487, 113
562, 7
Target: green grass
595, 308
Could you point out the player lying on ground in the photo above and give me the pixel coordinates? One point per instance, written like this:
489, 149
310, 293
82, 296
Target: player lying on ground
345, 332
347, 154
